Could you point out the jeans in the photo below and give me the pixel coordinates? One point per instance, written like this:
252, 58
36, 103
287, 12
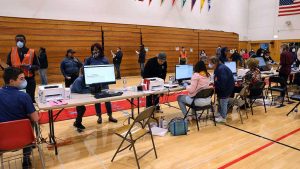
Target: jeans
43, 76
117, 67
223, 106
142, 67
81, 110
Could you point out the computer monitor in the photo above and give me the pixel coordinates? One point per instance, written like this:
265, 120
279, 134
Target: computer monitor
99, 74
183, 72
231, 66
262, 62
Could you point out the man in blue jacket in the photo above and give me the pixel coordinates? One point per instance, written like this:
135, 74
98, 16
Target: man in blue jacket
224, 85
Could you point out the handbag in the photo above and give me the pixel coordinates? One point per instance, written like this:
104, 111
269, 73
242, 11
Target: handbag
178, 126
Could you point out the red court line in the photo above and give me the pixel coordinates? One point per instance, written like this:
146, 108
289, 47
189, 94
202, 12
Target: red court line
258, 149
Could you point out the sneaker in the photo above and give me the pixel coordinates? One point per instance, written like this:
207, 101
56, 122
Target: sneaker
111, 119
220, 120
99, 121
79, 126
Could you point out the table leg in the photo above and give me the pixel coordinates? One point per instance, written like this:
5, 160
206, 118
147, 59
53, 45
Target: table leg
51, 127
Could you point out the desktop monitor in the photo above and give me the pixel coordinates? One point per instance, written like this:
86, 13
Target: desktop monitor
231, 66
262, 62
99, 74
183, 72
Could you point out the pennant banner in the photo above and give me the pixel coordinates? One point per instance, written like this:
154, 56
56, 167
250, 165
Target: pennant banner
193, 4
183, 3
201, 4
162, 1
173, 3
209, 4
150, 2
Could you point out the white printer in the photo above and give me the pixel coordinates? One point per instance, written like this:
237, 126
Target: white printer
154, 84
53, 92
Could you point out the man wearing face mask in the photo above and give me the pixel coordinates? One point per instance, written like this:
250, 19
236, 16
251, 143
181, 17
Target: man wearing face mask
24, 58
224, 85
15, 104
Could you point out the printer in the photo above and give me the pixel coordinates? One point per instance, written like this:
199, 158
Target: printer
53, 92
154, 84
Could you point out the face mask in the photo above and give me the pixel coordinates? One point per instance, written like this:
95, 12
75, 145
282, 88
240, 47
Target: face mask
22, 85
210, 65
293, 50
20, 44
262, 54
95, 54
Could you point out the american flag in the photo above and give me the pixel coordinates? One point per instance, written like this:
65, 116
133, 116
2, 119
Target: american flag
289, 7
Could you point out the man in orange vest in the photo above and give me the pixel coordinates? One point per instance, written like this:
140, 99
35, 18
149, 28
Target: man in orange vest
22, 57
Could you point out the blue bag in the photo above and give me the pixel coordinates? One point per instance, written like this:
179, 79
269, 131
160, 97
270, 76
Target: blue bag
178, 126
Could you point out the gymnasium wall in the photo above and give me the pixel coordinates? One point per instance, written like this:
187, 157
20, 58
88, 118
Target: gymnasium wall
57, 36
224, 15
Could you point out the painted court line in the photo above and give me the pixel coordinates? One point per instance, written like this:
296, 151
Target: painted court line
260, 148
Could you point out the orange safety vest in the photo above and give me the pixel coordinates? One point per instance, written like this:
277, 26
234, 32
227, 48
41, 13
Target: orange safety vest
183, 55
16, 62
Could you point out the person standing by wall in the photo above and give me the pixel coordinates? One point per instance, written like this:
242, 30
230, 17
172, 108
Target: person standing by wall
43, 65
183, 56
218, 51
24, 58
142, 57
70, 67
203, 56
117, 59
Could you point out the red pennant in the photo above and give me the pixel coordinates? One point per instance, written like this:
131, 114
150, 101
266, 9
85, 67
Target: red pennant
173, 3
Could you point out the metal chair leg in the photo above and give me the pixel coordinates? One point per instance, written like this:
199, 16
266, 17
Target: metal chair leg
118, 150
41, 154
154, 148
136, 158
293, 109
264, 105
239, 111
195, 113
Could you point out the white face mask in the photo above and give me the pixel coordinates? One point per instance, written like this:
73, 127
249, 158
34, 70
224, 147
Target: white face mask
22, 85
210, 65
293, 50
262, 54
20, 44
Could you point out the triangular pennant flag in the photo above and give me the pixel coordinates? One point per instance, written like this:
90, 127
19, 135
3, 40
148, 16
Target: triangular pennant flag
209, 4
183, 3
193, 4
150, 2
162, 1
173, 2
201, 4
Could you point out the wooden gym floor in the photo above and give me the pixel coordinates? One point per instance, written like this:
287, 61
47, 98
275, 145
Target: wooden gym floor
234, 145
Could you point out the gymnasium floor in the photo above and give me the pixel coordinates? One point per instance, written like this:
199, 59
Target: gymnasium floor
221, 146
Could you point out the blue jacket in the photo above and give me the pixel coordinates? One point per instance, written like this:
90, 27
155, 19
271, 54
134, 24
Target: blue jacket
79, 86
224, 81
70, 66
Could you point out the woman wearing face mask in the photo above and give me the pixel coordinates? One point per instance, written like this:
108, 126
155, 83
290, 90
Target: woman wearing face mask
24, 58
70, 67
98, 58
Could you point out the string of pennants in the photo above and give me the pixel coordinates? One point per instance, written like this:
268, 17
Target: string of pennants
183, 3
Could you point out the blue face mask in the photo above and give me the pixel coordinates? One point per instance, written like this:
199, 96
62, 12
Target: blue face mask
22, 85
20, 44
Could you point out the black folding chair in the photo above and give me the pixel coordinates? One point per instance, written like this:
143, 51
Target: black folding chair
278, 88
206, 93
240, 101
257, 92
131, 133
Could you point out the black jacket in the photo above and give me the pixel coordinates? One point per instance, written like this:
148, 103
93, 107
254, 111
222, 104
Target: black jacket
224, 81
118, 58
153, 69
43, 61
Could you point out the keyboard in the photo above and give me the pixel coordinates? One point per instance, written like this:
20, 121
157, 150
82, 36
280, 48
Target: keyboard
106, 94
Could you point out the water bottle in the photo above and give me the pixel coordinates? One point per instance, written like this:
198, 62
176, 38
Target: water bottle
124, 83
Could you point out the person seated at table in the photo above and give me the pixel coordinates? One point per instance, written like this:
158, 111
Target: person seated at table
267, 57
200, 80
16, 105
224, 85
80, 87
155, 67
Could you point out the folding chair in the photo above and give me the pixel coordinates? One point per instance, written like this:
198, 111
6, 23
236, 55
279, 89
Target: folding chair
206, 93
257, 92
131, 133
240, 101
282, 88
295, 97
16, 135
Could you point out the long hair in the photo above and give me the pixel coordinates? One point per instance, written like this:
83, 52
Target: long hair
200, 66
